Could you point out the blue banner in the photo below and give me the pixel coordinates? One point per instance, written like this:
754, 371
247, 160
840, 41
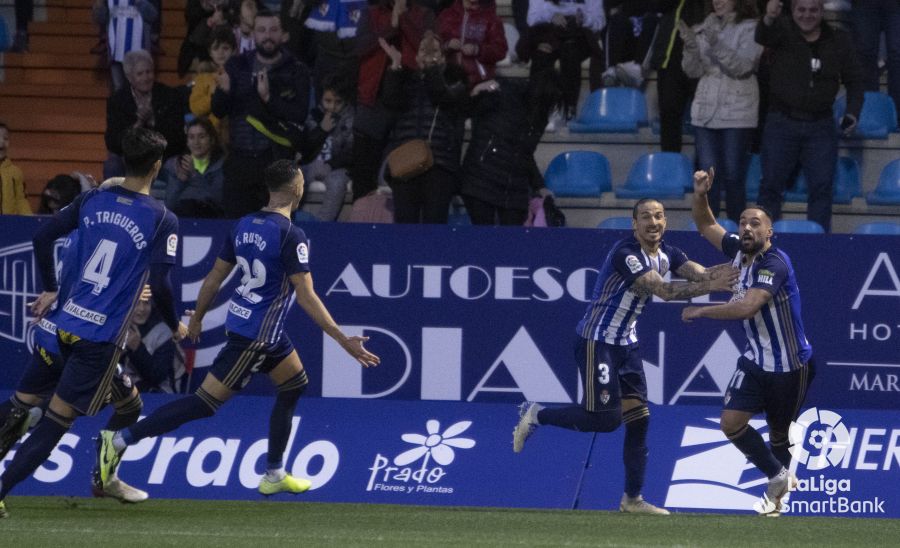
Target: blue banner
477, 314
452, 453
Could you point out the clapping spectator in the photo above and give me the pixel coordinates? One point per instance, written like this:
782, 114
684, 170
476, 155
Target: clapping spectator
142, 103
12, 181
402, 26
152, 359
127, 29
724, 55
328, 146
221, 48
430, 105
59, 192
194, 181
473, 37
567, 31
265, 94
499, 170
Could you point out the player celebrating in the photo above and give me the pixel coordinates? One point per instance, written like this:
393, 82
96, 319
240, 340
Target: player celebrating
273, 255
606, 348
773, 374
123, 232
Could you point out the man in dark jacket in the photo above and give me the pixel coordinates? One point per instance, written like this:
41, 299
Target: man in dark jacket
265, 94
144, 103
810, 62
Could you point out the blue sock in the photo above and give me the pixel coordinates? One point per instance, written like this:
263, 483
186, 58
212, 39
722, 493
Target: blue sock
126, 414
280, 419
782, 451
34, 451
751, 444
199, 405
578, 418
634, 451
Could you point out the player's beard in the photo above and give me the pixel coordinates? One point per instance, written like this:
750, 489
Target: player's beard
750, 247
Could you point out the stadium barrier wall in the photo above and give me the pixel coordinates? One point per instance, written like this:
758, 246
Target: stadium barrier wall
475, 314
460, 454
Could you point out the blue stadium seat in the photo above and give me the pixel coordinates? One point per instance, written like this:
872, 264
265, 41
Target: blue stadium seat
658, 175
301, 216
800, 192
846, 184
578, 173
880, 227
888, 190
611, 110
727, 224
798, 226
877, 119
754, 176
623, 223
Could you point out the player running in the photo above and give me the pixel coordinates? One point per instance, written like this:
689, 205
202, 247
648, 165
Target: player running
273, 256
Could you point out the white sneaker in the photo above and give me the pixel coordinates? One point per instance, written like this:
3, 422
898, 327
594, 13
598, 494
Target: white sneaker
556, 121
638, 505
630, 74
527, 424
120, 490
772, 500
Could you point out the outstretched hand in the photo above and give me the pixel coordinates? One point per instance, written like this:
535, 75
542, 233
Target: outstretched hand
724, 280
690, 313
354, 347
42, 305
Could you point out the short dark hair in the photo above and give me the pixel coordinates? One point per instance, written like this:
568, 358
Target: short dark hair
339, 84
222, 34
66, 186
141, 148
764, 209
266, 12
279, 174
641, 202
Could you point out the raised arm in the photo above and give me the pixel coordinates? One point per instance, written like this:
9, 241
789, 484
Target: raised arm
744, 309
311, 304
700, 211
208, 292
652, 283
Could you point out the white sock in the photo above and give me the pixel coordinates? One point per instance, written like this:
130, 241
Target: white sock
119, 442
275, 474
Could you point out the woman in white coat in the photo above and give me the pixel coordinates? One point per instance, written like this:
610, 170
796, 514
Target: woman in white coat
723, 54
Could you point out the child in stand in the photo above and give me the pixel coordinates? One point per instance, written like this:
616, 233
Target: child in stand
12, 181
326, 152
221, 47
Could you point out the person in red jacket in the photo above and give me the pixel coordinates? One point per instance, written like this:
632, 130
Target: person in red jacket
401, 23
472, 36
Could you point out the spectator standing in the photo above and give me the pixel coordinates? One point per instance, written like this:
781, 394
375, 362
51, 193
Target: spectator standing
674, 89
243, 31
328, 145
127, 25
333, 24
201, 16
430, 105
567, 31
723, 54
265, 94
142, 103
194, 181
24, 10
869, 20
499, 170
221, 48
473, 37
630, 30
402, 25
810, 62
12, 181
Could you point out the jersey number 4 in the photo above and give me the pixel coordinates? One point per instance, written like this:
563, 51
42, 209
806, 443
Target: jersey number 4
96, 270
253, 278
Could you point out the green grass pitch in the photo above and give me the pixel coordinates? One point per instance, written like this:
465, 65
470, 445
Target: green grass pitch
74, 522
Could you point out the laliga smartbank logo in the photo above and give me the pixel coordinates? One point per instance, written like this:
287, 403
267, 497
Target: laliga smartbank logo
430, 454
711, 474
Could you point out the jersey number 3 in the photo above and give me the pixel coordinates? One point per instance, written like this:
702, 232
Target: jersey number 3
252, 279
96, 270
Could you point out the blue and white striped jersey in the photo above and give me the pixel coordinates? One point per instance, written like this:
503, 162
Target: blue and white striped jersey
269, 249
612, 314
776, 340
125, 28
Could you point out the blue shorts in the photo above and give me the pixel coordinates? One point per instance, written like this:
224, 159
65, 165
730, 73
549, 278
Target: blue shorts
610, 373
242, 357
88, 374
41, 374
779, 395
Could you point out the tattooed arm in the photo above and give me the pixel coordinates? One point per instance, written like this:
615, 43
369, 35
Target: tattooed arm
694, 272
653, 283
